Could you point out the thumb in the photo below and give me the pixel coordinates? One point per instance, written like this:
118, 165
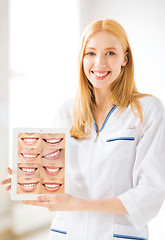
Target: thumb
44, 198
9, 170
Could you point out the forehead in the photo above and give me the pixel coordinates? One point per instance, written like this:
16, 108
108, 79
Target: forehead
103, 39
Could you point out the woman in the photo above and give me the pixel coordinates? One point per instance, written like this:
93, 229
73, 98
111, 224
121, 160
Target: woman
117, 146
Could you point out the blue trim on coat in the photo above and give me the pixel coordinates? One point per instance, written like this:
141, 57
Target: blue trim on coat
128, 237
59, 231
107, 117
95, 127
121, 138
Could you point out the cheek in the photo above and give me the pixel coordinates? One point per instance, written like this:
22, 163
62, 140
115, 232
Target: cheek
116, 72
116, 66
86, 67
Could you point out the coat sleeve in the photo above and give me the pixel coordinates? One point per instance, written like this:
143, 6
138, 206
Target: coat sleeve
145, 199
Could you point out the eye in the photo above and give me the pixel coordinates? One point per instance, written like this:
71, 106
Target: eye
110, 53
90, 53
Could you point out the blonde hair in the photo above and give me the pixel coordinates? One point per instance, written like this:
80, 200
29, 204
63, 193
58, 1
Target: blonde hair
122, 91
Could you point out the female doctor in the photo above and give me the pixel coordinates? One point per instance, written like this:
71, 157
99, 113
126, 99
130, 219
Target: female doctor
117, 168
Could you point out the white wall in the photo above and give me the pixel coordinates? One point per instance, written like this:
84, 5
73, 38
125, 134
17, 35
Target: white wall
5, 206
43, 59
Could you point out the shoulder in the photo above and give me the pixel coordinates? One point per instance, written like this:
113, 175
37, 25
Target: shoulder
153, 112
64, 114
152, 105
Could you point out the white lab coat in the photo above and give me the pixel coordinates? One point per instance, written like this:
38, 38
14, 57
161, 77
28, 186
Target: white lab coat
125, 162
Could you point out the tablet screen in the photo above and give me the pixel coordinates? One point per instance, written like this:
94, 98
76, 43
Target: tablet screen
40, 159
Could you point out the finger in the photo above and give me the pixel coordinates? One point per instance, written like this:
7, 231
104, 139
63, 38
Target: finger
44, 198
36, 203
5, 181
9, 170
8, 188
51, 209
31, 202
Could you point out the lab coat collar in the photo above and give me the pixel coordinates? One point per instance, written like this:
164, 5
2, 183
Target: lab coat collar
106, 120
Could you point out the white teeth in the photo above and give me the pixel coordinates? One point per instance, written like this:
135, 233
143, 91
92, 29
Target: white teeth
30, 140
28, 169
98, 74
29, 185
53, 141
51, 185
53, 154
29, 156
52, 170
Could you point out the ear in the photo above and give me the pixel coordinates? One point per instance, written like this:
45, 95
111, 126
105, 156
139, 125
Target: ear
125, 59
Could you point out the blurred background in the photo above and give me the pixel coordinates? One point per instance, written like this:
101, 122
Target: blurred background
39, 42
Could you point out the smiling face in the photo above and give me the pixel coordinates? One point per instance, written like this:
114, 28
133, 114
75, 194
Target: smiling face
103, 59
53, 140
52, 185
29, 140
53, 155
28, 185
27, 155
31, 170
52, 170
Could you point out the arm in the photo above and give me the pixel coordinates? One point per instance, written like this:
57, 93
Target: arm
145, 199
66, 202
110, 205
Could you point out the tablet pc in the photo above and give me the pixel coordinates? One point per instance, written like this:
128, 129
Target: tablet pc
40, 163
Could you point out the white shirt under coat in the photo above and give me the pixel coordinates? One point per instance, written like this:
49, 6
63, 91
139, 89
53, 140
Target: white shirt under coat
125, 162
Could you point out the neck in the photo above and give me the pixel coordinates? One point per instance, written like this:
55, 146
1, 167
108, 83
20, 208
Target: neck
101, 97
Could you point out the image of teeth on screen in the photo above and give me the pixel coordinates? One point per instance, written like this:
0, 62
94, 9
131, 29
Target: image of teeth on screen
40, 159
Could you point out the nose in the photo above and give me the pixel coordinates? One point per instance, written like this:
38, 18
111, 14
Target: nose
100, 60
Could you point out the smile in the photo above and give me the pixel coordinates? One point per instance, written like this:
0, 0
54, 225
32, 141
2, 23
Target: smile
29, 141
28, 171
52, 187
52, 171
53, 141
29, 156
28, 187
100, 74
53, 155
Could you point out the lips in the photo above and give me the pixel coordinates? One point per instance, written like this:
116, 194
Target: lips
53, 155
51, 170
30, 156
52, 141
29, 141
28, 170
28, 187
100, 75
51, 187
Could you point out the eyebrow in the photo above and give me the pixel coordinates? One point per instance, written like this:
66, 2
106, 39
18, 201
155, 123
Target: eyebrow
109, 48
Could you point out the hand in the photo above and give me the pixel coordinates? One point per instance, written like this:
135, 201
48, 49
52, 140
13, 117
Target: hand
57, 202
8, 180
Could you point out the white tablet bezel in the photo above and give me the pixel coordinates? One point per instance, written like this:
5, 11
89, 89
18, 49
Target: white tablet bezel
16, 131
